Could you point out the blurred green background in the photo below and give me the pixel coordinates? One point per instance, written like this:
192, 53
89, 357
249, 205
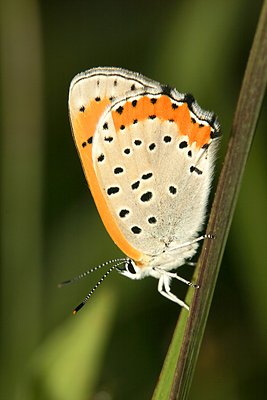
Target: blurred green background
50, 230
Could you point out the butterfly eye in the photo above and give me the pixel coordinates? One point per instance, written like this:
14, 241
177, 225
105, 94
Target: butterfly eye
130, 267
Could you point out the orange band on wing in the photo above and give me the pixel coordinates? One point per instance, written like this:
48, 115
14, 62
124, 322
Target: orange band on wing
163, 108
83, 125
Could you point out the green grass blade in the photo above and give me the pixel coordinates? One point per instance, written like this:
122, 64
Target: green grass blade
168, 371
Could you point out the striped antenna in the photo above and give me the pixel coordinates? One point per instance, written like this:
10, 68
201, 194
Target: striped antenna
118, 262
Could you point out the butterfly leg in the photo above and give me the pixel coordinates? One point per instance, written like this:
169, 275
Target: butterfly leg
164, 288
192, 264
175, 276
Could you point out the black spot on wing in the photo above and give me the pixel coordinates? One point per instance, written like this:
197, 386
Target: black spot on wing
135, 185
118, 170
152, 220
113, 190
196, 170
101, 158
183, 144
120, 110
147, 176
172, 190
136, 230
146, 197
123, 213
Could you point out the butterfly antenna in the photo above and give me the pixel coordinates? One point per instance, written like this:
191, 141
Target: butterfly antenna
118, 261
98, 283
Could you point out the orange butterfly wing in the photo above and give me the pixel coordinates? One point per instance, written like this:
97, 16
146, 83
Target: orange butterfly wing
90, 93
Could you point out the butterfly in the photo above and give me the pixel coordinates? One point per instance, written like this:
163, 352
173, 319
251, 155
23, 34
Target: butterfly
148, 155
